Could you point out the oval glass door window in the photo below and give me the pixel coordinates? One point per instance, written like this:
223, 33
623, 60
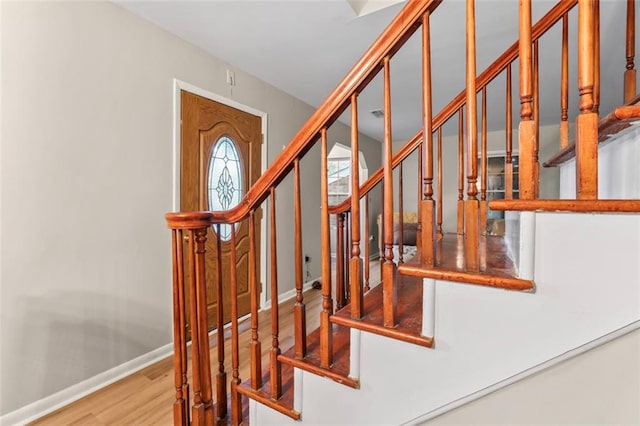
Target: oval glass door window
225, 180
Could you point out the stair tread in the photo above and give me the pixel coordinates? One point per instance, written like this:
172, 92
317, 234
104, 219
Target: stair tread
496, 267
339, 370
284, 404
409, 318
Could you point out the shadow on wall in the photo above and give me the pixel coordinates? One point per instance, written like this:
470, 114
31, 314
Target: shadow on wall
80, 341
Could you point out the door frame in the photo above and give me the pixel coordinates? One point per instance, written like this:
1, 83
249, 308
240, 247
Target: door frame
178, 86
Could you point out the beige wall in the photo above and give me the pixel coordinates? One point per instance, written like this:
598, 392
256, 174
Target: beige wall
87, 92
601, 386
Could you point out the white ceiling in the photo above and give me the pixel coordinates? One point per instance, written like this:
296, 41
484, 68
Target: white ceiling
306, 47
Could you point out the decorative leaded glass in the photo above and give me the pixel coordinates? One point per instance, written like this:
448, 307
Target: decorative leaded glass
225, 179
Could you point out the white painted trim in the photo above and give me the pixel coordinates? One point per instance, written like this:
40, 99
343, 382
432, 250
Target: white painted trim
179, 85
524, 374
526, 267
354, 353
298, 376
283, 297
66, 396
428, 307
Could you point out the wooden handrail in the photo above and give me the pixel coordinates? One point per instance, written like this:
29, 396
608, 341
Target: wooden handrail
486, 77
386, 45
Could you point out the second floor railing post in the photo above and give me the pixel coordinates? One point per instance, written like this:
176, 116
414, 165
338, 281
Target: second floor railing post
355, 263
460, 203
326, 340
389, 289
587, 120
472, 205
299, 309
527, 142
508, 167
427, 211
564, 84
630, 72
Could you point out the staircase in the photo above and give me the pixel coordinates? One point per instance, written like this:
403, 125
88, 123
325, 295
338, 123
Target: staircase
471, 310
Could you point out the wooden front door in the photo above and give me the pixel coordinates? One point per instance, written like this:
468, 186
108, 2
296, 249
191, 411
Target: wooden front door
220, 161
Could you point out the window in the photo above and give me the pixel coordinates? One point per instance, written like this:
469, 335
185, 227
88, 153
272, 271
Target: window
339, 179
225, 179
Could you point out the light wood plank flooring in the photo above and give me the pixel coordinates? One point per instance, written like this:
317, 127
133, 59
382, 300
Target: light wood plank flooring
146, 397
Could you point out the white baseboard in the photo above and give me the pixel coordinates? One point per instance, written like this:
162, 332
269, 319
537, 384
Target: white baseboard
66, 396
524, 374
290, 294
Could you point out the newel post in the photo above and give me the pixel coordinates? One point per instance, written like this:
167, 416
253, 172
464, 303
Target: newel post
193, 228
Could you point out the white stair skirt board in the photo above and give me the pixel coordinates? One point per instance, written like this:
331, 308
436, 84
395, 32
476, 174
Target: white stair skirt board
428, 307
66, 396
526, 264
298, 376
354, 353
487, 337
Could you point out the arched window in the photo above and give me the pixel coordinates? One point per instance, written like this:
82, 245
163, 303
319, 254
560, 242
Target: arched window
225, 179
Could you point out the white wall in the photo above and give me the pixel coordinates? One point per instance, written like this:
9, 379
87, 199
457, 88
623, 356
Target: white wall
86, 172
600, 386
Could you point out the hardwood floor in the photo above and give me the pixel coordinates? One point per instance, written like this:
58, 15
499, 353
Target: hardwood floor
146, 397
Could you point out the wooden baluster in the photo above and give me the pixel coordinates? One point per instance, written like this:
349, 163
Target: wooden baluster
419, 187
536, 117
483, 154
200, 237
439, 213
508, 169
527, 132
255, 346
366, 244
389, 290
236, 398
596, 56
274, 365
460, 205
197, 409
630, 72
471, 205
340, 299
299, 309
181, 404
347, 255
326, 342
400, 215
355, 264
564, 84
381, 259
428, 204
221, 377
587, 121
